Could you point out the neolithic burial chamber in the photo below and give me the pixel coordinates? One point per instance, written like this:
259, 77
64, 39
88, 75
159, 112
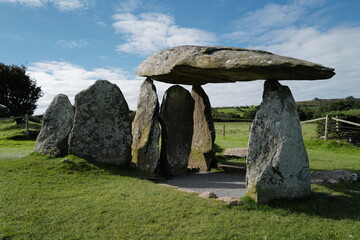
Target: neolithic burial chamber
277, 163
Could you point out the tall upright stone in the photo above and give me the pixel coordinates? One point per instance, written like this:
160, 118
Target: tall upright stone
277, 162
203, 139
176, 118
102, 126
146, 129
56, 126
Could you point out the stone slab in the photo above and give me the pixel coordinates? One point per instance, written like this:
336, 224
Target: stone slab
197, 65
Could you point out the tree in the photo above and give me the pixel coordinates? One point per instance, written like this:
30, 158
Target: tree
18, 92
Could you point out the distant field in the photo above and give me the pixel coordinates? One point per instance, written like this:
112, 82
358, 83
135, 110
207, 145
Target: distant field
237, 133
10, 144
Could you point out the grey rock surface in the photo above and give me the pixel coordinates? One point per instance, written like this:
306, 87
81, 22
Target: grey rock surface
197, 65
56, 126
146, 129
176, 118
231, 201
102, 127
236, 152
333, 177
207, 195
277, 162
203, 139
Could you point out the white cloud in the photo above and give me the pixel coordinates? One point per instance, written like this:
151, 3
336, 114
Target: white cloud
32, 3
69, 5
293, 30
101, 24
150, 32
128, 6
255, 25
63, 77
72, 43
63, 5
338, 48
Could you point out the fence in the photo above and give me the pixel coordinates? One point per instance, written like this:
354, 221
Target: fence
339, 128
27, 118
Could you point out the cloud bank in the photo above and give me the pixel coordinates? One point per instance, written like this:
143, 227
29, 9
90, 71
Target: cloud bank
63, 77
149, 32
299, 29
62, 5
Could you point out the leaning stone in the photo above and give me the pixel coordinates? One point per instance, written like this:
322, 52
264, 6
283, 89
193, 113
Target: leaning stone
277, 163
207, 195
236, 152
146, 129
56, 126
197, 65
176, 117
231, 201
203, 139
102, 127
333, 177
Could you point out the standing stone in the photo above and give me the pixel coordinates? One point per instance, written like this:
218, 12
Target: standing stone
277, 163
146, 129
204, 132
102, 127
176, 118
56, 126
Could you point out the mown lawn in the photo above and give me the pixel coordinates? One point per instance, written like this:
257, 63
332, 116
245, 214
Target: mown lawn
47, 198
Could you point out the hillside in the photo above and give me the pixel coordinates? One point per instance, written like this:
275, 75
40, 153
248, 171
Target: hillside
307, 109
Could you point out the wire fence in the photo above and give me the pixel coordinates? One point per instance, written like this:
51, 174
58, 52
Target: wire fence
32, 123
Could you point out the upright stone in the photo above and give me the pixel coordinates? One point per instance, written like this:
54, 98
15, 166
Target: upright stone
176, 118
56, 126
102, 127
204, 132
146, 129
277, 163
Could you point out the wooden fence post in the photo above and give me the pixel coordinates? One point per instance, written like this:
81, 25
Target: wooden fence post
223, 130
326, 126
27, 125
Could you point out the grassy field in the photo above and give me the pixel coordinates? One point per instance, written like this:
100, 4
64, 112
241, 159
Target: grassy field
47, 198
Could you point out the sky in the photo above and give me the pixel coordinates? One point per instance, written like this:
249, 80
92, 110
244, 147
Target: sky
68, 44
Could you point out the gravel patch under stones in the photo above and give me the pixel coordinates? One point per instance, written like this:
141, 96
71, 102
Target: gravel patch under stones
221, 184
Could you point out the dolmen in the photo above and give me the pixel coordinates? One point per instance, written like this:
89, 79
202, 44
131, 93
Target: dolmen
179, 134
277, 161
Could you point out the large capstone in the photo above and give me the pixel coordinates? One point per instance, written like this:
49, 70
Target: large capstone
56, 126
203, 139
277, 162
176, 117
102, 127
146, 129
197, 65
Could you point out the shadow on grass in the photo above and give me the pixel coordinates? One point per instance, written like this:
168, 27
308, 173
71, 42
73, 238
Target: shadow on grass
72, 164
21, 127
23, 137
337, 207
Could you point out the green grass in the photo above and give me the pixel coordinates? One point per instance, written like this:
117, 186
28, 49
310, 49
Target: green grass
13, 143
47, 198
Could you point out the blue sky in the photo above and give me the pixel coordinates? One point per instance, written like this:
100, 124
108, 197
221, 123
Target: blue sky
68, 44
